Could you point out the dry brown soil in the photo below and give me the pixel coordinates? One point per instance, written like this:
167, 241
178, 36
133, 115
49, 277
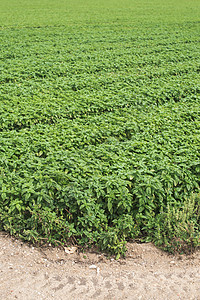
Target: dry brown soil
27, 272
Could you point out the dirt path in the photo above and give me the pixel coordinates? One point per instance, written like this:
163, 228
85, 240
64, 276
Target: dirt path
147, 273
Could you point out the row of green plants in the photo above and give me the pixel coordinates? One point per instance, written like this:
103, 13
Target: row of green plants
100, 131
103, 189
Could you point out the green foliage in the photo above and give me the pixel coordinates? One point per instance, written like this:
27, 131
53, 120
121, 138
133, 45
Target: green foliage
178, 229
100, 123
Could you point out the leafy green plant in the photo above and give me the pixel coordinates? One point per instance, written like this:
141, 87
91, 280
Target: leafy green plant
177, 230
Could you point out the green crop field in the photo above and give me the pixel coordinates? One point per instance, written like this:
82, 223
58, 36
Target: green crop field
100, 122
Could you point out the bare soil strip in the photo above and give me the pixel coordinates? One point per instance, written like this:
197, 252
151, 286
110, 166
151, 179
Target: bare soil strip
27, 272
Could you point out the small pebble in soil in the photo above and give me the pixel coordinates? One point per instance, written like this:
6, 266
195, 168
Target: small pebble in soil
92, 267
